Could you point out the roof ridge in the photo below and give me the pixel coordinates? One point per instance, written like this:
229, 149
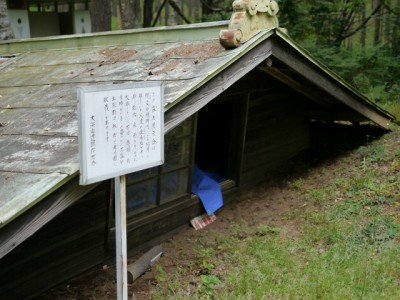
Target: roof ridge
165, 34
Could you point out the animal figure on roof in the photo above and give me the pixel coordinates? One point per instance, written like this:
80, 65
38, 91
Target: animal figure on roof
248, 18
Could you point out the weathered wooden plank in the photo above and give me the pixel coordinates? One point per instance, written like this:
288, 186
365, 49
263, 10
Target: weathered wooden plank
42, 75
109, 55
57, 250
154, 35
272, 111
147, 231
275, 151
74, 243
267, 140
39, 154
52, 121
334, 86
36, 96
160, 68
344, 115
15, 200
50, 272
299, 87
73, 56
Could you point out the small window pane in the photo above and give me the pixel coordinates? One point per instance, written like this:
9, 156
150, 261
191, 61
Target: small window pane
183, 129
137, 176
174, 185
141, 195
177, 154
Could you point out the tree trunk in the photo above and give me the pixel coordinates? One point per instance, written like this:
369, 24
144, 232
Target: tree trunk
178, 19
5, 27
137, 14
119, 15
377, 23
387, 22
363, 35
100, 11
147, 13
395, 30
167, 15
130, 14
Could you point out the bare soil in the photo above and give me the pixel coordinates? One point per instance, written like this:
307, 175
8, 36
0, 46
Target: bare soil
268, 202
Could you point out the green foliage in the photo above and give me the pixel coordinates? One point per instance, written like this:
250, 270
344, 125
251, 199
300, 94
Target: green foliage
218, 10
114, 23
371, 71
162, 275
378, 230
207, 286
394, 108
323, 26
265, 229
293, 15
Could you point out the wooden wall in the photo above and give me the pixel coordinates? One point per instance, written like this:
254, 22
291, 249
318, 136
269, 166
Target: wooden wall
277, 130
273, 123
68, 245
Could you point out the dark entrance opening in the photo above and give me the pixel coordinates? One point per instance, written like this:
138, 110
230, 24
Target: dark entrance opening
214, 138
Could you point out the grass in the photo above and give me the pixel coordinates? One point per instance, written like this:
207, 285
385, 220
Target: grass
346, 244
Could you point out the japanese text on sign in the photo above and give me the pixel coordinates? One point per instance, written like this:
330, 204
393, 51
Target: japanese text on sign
120, 129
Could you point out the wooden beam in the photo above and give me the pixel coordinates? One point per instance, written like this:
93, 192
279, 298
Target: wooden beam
298, 87
179, 33
329, 83
343, 115
146, 261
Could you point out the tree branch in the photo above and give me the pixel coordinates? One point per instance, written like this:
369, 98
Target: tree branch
362, 25
178, 11
213, 9
158, 13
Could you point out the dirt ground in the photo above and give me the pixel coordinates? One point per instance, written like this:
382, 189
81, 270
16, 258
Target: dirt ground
268, 202
265, 203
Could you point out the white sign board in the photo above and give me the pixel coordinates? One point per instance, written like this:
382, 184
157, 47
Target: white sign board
121, 129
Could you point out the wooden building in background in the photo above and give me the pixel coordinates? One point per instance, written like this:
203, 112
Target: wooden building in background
40, 18
240, 113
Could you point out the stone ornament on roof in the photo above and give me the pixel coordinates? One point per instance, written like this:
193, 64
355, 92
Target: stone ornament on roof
249, 17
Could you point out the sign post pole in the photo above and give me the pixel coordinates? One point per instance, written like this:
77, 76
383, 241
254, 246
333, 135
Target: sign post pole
120, 238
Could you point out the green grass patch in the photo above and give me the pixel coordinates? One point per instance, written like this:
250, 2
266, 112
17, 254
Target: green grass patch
331, 261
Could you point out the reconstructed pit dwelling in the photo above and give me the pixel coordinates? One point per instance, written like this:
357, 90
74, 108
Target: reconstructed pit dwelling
240, 112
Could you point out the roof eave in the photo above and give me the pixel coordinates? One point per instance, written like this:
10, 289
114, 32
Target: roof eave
332, 84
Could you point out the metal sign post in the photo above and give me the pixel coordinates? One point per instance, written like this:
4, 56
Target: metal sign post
121, 131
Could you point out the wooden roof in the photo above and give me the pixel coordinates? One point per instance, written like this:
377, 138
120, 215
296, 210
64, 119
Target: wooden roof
39, 80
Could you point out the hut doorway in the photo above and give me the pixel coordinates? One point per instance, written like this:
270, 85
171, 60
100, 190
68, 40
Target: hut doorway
216, 140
